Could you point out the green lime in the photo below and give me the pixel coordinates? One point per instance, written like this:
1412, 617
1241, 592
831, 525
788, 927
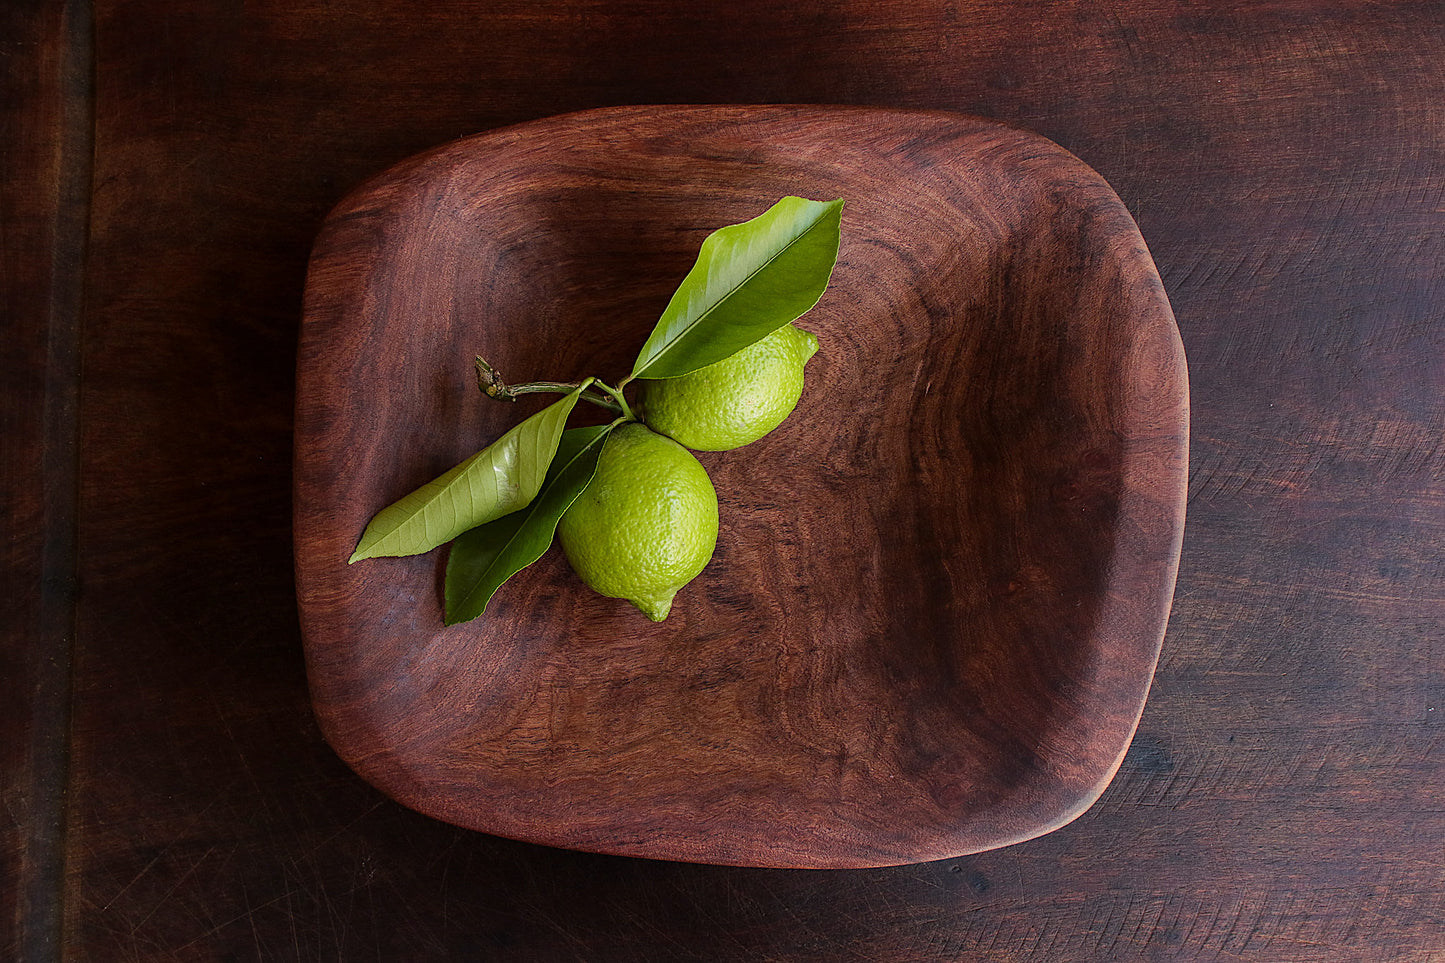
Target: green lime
735, 401
646, 525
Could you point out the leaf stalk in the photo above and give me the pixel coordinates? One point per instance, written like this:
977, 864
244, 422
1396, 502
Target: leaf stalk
616, 394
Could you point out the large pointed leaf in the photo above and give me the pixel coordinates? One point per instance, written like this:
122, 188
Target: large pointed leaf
749, 280
496, 481
485, 557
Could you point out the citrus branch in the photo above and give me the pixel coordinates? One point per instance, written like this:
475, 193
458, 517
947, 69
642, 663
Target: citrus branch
492, 385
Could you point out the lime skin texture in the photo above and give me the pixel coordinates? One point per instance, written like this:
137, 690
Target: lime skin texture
647, 523
735, 401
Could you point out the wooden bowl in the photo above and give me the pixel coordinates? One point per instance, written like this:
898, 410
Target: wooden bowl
940, 587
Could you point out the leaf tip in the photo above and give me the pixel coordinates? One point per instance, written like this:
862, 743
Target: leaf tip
451, 617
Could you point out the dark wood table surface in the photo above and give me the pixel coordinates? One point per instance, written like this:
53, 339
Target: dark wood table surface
166, 792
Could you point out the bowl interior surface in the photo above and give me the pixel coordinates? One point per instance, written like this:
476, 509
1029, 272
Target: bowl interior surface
940, 586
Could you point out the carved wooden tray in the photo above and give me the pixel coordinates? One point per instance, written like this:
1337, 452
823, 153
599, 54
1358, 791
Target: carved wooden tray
940, 588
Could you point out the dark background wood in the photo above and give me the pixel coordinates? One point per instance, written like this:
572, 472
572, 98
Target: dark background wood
166, 792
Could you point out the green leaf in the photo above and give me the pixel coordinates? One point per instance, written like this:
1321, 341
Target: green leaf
485, 557
496, 481
749, 280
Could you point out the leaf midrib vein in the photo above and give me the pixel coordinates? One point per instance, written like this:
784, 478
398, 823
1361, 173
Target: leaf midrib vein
424, 510
672, 342
476, 585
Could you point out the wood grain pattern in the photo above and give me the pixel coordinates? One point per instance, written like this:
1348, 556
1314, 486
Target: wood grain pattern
941, 586
44, 202
1280, 801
